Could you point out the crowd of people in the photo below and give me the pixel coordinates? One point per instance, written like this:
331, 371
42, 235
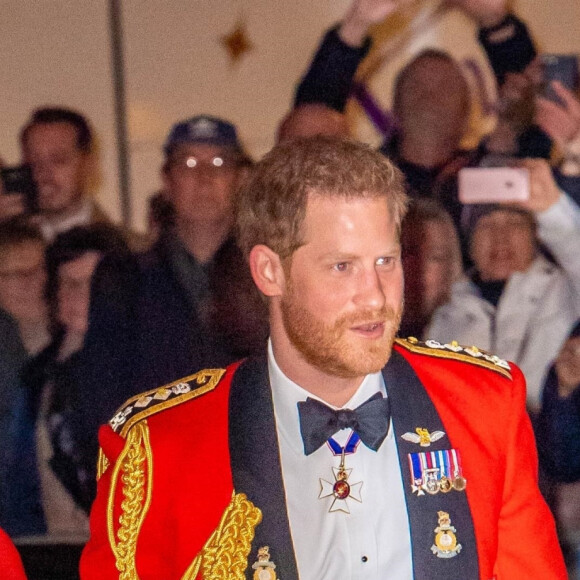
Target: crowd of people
92, 314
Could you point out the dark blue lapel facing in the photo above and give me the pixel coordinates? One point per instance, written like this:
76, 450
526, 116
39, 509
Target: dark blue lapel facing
255, 462
411, 407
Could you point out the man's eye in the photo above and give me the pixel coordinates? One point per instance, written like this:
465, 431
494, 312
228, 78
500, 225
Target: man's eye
341, 267
385, 261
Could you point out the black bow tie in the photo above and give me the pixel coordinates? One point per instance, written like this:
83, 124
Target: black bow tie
319, 422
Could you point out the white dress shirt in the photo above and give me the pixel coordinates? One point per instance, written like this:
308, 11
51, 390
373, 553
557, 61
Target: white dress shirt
372, 542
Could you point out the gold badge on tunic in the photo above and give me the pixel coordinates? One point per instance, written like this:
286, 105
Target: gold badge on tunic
445, 544
264, 568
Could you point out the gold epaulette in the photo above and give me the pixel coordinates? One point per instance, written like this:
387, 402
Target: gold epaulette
453, 350
151, 402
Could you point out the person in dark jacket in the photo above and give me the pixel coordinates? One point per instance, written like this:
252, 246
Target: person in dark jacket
558, 431
189, 302
65, 456
23, 333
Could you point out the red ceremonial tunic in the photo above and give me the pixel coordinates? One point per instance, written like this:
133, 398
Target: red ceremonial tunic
167, 508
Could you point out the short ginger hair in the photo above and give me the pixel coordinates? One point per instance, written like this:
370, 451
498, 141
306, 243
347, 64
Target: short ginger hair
271, 206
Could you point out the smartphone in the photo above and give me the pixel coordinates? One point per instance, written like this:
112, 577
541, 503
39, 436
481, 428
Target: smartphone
19, 179
559, 67
493, 184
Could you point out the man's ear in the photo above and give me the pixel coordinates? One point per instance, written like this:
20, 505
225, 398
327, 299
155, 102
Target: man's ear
267, 271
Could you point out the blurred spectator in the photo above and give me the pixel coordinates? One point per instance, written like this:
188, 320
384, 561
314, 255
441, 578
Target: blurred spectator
189, 302
329, 78
23, 332
558, 432
311, 119
22, 277
59, 146
525, 116
562, 122
432, 105
515, 113
515, 302
558, 438
66, 454
431, 262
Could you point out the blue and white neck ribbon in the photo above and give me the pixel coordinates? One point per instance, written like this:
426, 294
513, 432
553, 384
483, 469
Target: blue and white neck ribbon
350, 447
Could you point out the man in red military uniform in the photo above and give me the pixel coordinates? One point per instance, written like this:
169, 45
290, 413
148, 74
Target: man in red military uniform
341, 453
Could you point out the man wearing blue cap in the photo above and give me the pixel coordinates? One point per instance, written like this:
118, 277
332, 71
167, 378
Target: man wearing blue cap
202, 161
187, 303
193, 284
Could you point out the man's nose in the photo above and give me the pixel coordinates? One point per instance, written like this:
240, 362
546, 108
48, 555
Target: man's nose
370, 292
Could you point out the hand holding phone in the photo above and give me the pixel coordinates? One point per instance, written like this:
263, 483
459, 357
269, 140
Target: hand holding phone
562, 68
544, 191
561, 121
493, 184
18, 184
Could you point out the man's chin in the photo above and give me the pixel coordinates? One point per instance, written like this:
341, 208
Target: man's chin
364, 361
360, 369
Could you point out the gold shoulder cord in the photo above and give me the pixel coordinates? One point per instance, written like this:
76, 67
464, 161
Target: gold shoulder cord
225, 554
151, 402
455, 351
136, 467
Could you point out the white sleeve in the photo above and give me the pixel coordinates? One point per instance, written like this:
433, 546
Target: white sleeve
559, 232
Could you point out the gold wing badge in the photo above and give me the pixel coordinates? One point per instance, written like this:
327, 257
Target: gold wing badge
422, 436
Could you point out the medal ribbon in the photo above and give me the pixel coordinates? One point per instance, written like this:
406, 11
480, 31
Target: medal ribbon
348, 449
456, 463
446, 461
415, 467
